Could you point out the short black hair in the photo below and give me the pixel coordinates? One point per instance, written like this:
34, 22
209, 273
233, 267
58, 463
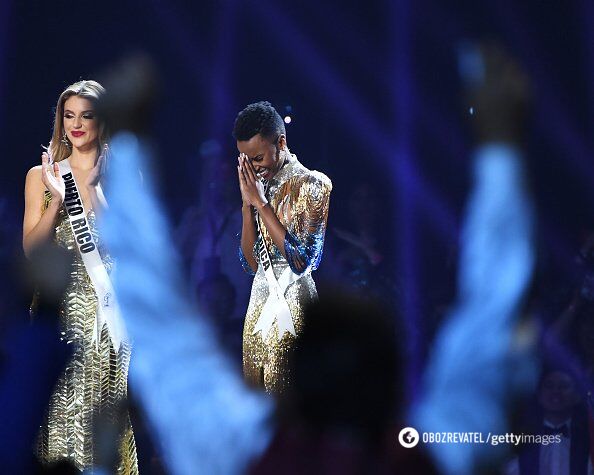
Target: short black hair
258, 118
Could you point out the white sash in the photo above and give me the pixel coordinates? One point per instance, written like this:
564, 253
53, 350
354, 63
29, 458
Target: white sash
276, 306
108, 310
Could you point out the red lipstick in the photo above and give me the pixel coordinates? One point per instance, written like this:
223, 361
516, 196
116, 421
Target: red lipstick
77, 133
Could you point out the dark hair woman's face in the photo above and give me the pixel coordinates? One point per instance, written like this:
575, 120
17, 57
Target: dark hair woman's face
262, 153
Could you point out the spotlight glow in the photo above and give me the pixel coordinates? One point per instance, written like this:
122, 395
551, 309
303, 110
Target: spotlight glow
288, 119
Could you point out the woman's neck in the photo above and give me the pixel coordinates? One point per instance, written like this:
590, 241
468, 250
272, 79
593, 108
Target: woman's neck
83, 159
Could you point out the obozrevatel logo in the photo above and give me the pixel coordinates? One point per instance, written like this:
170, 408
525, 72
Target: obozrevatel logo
408, 437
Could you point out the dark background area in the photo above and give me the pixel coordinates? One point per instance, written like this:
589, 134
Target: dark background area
375, 98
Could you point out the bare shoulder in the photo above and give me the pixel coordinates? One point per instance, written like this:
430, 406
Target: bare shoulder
33, 180
34, 172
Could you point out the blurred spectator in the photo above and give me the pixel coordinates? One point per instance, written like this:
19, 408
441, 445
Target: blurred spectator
481, 359
570, 338
202, 416
360, 239
32, 355
357, 251
217, 300
346, 396
207, 234
561, 411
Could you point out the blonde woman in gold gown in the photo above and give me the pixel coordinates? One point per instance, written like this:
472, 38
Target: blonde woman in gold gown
285, 210
94, 382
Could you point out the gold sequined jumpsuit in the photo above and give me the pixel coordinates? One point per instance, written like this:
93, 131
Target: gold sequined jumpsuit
300, 199
94, 380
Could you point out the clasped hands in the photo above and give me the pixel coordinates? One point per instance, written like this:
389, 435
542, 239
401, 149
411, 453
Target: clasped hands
251, 187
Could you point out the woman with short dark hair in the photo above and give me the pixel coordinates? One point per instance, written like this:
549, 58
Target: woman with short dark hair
285, 209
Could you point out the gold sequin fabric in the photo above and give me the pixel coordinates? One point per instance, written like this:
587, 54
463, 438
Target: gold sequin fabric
300, 198
94, 382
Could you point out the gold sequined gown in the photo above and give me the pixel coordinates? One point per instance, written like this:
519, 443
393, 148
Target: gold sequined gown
300, 199
94, 380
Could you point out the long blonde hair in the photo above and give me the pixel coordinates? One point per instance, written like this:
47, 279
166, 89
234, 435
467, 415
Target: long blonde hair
88, 89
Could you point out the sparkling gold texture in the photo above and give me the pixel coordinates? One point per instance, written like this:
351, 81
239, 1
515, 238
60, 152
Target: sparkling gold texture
300, 198
94, 382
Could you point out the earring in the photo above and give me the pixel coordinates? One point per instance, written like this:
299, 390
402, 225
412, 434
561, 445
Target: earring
65, 140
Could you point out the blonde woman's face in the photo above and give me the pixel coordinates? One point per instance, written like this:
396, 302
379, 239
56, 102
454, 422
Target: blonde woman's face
80, 123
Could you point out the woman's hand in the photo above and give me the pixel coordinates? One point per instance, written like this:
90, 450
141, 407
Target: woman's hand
51, 178
97, 172
252, 188
244, 199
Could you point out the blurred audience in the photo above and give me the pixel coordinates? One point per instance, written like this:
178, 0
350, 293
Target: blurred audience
209, 229
482, 359
217, 300
561, 412
32, 357
339, 415
357, 248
